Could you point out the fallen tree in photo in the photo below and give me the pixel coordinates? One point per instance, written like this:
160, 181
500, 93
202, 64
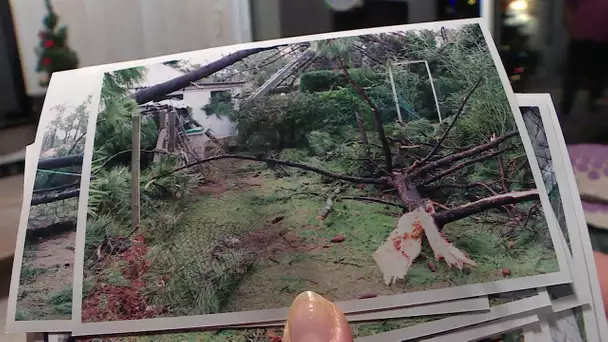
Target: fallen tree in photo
408, 181
159, 90
55, 196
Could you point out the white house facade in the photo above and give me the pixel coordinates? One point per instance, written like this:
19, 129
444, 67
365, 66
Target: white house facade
197, 96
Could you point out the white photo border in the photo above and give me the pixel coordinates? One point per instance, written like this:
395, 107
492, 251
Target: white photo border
477, 333
537, 304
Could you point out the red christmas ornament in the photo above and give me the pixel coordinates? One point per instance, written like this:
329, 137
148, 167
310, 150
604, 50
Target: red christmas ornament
49, 44
46, 61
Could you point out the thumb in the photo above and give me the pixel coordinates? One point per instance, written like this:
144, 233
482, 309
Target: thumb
313, 318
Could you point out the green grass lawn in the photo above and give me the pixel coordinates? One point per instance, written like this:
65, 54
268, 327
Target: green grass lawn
300, 257
206, 262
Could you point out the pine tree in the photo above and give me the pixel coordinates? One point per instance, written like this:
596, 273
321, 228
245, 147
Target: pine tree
53, 52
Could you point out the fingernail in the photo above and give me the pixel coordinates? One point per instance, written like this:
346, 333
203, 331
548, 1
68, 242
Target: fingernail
313, 318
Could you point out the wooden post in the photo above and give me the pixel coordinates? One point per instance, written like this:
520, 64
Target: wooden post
135, 165
162, 119
172, 131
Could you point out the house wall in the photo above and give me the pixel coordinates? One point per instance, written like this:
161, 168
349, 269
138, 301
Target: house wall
197, 99
110, 31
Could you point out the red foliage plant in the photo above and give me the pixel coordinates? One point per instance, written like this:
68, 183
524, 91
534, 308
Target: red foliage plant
108, 302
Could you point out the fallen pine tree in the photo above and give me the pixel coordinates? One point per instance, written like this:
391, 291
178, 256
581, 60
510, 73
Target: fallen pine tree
421, 216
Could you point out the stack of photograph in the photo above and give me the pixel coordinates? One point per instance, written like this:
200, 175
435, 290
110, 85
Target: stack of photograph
392, 171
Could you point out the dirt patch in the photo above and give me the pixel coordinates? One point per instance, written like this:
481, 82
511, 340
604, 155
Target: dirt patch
56, 252
291, 242
274, 240
53, 263
34, 297
222, 177
214, 188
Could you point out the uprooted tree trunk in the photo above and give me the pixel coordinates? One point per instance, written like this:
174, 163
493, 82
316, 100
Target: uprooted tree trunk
404, 242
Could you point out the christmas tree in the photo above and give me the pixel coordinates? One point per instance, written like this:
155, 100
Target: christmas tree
53, 52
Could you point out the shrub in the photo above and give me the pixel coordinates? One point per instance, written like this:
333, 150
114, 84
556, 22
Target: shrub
321, 80
110, 193
321, 143
325, 80
97, 230
113, 134
159, 183
284, 121
110, 190
294, 154
418, 131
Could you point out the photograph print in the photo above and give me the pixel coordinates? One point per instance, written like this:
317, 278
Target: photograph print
331, 165
542, 152
533, 119
45, 259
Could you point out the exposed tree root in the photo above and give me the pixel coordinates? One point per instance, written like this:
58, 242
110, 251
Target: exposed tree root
398, 252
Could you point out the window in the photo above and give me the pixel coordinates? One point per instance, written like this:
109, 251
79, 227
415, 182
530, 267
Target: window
220, 103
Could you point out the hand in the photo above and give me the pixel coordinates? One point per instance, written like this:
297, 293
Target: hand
313, 318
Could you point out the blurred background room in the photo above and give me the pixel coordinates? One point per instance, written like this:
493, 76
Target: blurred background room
42, 36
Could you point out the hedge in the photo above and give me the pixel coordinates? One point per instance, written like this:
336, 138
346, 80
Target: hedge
326, 80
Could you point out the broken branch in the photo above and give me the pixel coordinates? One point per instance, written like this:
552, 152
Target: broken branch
464, 154
55, 197
501, 173
57, 188
461, 186
329, 206
301, 194
371, 199
447, 131
117, 154
358, 180
483, 204
530, 211
465, 164
158, 90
